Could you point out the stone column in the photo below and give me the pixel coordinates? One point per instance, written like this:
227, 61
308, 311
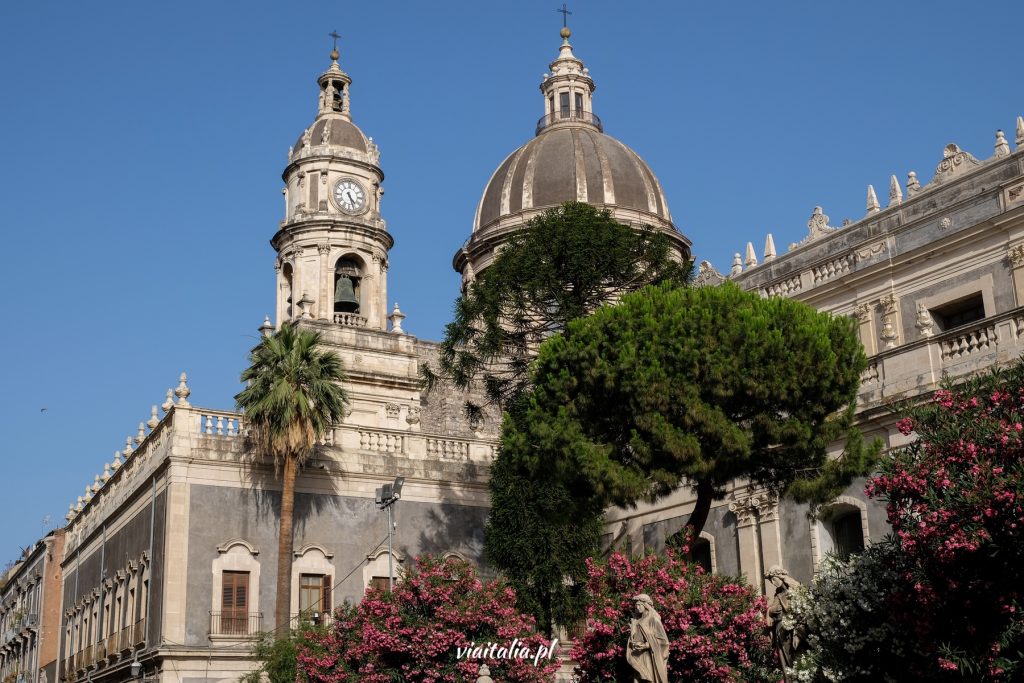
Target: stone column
326, 296
746, 530
1016, 257
767, 504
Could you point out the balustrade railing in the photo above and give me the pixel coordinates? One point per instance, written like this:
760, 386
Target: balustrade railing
216, 423
381, 442
568, 116
350, 319
448, 449
970, 340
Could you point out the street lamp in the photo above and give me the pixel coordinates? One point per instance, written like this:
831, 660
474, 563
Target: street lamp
387, 496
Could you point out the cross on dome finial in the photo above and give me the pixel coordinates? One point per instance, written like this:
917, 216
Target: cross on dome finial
565, 32
334, 52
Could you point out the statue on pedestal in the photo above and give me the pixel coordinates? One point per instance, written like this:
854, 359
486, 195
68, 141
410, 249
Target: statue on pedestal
788, 635
647, 649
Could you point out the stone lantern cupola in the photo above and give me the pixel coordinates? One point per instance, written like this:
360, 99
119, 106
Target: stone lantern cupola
333, 243
568, 90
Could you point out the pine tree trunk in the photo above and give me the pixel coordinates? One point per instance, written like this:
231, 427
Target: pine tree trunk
699, 516
283, 604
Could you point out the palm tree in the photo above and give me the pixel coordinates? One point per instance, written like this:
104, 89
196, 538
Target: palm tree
293, 396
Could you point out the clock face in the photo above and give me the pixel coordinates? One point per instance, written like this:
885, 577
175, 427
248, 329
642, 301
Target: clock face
349, 196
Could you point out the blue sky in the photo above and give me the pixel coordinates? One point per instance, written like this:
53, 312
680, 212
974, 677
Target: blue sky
143, 145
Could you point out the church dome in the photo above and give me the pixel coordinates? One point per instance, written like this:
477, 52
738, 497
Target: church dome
571, 162
569, 159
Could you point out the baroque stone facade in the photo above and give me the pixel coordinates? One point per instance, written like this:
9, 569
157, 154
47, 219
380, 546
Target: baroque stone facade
169, 568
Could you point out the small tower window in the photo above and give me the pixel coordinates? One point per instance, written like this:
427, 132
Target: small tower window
347, 276
551, 104
563, 104
579, 103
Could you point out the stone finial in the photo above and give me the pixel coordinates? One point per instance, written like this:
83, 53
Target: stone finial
873, 205
182, 392
769, 248
153, 420
751, 259
96, 485
117, 461
305, 306
79, 505
88, 493
737, 264
1020, 132
140, 435
128, 450
1002, 148
895, 193
484, 675
266, 329
106, 472
396, 319
913, 185
71, 513
169, 402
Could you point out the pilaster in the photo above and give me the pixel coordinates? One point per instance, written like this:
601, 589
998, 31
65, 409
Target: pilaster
1015, 255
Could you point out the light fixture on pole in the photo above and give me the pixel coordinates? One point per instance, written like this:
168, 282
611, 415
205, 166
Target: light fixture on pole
387, 496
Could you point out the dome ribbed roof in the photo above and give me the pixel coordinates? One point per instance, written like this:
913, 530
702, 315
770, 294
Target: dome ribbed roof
343, 133
571, 163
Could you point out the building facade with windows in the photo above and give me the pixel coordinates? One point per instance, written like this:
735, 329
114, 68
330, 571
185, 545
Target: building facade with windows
30, 618
169, 563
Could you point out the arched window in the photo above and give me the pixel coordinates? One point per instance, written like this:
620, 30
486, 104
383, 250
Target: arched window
701, 553
348, 275
847, 534
312, 582
841, 529
236, 590
375, 572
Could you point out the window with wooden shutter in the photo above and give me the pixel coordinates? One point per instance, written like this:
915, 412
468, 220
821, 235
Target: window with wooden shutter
234, 615
326, 603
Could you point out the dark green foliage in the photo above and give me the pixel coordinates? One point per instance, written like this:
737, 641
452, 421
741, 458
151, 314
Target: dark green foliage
561, 266
278, 656
701, 386
539, 535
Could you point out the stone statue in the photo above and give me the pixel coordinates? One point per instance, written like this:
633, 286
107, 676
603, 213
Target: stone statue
647, 649
788, 636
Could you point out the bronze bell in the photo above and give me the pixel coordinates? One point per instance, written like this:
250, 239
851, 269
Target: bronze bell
345, 300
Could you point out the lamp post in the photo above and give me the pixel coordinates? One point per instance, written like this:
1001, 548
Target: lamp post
387, 496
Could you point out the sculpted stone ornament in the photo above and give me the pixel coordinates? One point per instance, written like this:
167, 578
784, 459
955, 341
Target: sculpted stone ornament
788, 635
647, 649
707, 275
955, 162
924, 322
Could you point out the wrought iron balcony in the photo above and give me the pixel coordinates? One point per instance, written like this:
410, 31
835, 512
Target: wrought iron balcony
235, 624
568, 116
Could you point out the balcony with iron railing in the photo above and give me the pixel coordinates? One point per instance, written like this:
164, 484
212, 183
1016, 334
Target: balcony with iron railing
235, 625
569, 116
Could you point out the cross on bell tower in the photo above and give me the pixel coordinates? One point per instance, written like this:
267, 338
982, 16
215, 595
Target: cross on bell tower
333, 243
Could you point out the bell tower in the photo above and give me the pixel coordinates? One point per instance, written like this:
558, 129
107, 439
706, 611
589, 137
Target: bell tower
332, 246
